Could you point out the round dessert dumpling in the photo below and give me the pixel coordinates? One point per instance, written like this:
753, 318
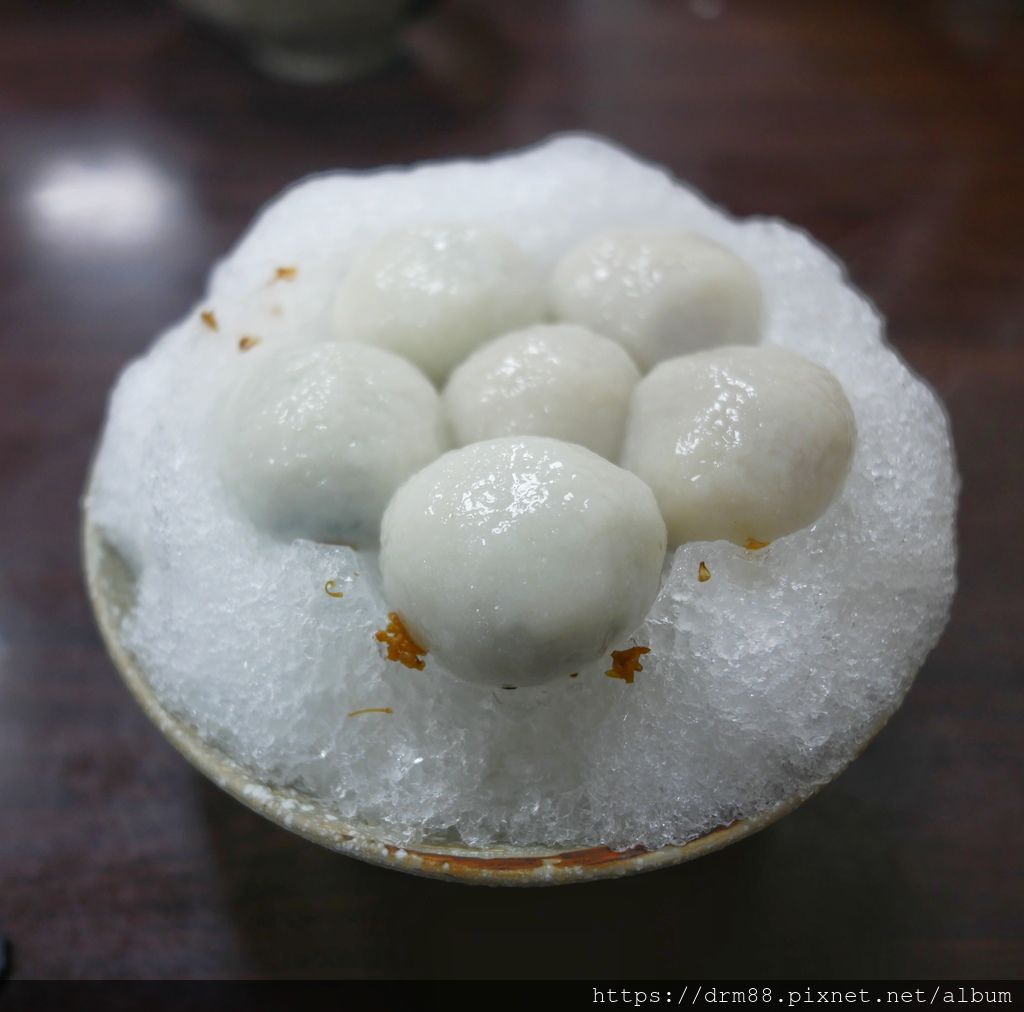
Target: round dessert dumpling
659, 294
314, 443
741, 444
558, 380
434, 293
521, 559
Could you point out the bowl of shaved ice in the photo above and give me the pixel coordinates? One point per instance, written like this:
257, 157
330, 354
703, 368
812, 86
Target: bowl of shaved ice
525, 520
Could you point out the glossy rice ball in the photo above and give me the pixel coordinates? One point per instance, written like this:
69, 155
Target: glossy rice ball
315, 442
558, 380
659, 294
521, 559
435, 293
740, 444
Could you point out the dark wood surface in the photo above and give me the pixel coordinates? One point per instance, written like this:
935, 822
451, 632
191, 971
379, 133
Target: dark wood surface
892, 131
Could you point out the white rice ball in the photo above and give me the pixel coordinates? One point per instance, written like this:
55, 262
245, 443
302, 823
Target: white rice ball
659, 293
740, 444
521, 559
558, 380
313, 443
433, 293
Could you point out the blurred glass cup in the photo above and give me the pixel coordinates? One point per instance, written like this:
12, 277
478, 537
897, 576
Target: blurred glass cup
313, 41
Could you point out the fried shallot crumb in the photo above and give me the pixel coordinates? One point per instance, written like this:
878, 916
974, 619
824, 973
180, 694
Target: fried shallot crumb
626, 663
285, 274
753, 545
210, 319
703, 573
401, 646
371, 709
247, 342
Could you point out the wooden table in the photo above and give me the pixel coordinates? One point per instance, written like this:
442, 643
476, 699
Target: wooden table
133, 149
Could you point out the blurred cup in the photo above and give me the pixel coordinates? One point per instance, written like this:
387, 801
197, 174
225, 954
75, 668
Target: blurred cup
312, 41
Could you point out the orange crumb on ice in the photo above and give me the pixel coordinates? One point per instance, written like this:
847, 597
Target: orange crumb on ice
703, 573
371, 709
285, 274
331, 589
210, 319
626, 663
401, 646
248, 342
754, 545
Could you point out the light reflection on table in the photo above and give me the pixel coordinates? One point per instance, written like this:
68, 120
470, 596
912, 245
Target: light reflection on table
113, 198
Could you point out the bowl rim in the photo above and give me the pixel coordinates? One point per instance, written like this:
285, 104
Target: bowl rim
313, 820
